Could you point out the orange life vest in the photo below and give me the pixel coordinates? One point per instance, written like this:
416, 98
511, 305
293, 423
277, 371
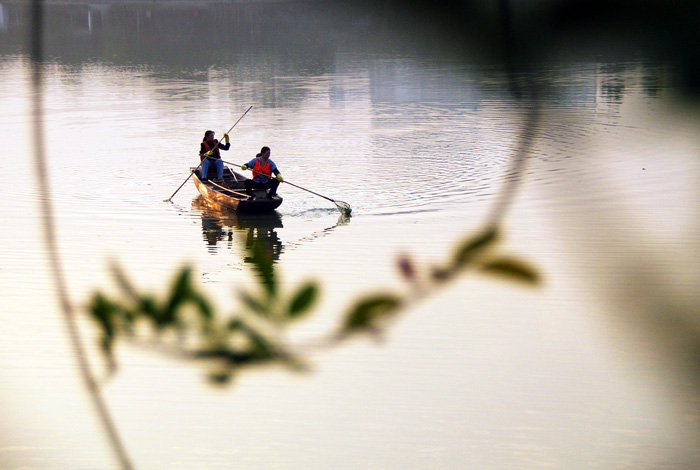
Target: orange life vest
262, 170
208, 148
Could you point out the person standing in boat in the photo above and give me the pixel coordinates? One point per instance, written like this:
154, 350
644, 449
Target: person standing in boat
209, 155
263, 168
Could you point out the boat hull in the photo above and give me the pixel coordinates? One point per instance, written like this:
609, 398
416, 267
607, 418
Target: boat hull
230, 195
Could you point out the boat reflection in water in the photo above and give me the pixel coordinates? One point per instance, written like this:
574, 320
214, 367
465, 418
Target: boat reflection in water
222, 225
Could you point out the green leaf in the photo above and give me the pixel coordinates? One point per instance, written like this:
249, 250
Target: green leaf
234, 324
368, 313
255, 305
259, 345
303, 300
296, 364
512, 269
123, 282
183, 292
221, 378
103, 311
148, 307
471, 248
203, 306
262, 265
182, 287
442, 274
179, 294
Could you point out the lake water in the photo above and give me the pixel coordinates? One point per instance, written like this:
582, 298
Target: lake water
592, 369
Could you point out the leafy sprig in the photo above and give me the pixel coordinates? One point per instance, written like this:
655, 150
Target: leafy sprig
248, 337
479, 254
255, 334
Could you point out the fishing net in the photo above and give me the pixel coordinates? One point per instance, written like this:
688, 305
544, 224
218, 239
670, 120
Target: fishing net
343, 207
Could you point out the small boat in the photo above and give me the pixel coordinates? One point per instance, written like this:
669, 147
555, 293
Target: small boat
230, 194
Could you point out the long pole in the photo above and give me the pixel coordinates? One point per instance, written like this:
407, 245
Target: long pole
342, 206
200, 163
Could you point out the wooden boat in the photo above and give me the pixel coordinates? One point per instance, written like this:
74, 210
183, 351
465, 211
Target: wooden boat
230, 194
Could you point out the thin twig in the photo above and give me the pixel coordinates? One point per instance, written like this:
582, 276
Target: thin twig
48, 225
526, 95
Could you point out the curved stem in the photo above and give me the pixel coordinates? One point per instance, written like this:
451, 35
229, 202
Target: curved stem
514, 174
48, 225
524, 94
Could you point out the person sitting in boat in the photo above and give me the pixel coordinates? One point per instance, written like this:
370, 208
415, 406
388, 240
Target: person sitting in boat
262, 168
209, 155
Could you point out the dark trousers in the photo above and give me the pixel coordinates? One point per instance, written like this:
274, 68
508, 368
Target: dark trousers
269, 184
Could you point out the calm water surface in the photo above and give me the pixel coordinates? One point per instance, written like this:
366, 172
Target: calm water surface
578, 373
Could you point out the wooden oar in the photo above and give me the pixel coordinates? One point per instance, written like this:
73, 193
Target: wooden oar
343, 207
200, 163
229, 190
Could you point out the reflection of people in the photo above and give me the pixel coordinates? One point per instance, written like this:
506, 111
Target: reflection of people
267, 239
261, 229
209, 154
263, 168
212, 230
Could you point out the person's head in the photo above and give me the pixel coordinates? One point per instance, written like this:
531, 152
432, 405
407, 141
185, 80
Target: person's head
209, 135
265, 152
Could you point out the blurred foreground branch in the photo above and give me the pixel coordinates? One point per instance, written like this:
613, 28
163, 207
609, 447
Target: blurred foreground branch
255, 334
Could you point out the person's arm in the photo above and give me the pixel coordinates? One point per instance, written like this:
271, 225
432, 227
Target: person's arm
276, 172
227, 145
249, 166
203, 150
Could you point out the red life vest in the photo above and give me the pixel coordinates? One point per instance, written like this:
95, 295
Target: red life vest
208, 148
265, 170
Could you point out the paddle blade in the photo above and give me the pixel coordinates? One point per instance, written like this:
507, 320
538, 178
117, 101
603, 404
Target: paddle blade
343, 207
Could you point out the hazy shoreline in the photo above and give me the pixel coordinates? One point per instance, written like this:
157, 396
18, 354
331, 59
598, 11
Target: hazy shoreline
147, 2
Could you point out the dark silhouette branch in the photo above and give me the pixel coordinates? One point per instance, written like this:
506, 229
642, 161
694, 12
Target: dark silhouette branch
48, 228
